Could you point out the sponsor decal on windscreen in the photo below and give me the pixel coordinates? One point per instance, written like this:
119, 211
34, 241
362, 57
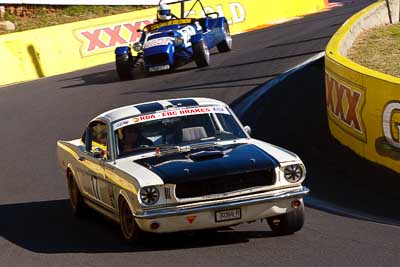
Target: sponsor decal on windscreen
169, 114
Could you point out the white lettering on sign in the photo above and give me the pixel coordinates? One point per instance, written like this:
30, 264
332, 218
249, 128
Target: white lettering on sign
238, 12
388, 123
170, 114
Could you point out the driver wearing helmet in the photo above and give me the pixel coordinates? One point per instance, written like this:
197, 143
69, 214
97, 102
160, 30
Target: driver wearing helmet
164, 13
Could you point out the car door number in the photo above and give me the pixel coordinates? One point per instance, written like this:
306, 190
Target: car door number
187, 33
95, 187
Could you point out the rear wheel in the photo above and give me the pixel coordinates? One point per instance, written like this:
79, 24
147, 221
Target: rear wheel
287, 223
75, 196
129, 228
125, 66
201, 54
226, 44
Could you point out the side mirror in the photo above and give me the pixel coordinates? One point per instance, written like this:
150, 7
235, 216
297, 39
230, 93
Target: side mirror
247, 129
98, 153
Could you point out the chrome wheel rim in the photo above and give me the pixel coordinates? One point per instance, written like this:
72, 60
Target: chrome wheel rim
228, 36
73, 192
127, 220
206, 51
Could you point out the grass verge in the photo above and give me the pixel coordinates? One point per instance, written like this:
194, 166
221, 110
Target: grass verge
33, 17
378, 49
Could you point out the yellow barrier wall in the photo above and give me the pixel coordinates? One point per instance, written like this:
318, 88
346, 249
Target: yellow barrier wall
363, 105
59, 49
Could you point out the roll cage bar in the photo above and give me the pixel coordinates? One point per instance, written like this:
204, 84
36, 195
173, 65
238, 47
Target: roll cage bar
182, 2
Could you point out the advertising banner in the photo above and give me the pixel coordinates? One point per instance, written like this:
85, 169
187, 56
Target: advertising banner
364, 113
363, 105
69, 47
86, 2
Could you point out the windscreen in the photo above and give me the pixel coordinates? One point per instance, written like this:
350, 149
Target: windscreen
176, 128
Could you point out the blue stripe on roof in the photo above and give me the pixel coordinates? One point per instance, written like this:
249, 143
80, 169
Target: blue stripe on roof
149, 107
184, 102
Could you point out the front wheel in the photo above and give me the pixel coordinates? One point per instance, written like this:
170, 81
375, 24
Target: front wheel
201, 54
287, 223
125, 67
129, 228
75, 196
226, 44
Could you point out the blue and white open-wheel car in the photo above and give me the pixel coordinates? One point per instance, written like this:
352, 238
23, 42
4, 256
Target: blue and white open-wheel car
174, 41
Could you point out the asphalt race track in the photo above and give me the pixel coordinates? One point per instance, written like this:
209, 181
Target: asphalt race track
36, 224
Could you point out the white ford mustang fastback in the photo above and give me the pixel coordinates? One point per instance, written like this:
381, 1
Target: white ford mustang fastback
181, 165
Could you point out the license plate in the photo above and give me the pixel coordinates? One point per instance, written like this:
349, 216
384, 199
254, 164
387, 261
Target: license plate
227, 215
158, 68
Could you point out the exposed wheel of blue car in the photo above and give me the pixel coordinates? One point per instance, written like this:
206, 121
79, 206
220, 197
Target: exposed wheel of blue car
201, 54
75, 196
129, 228
287, 223
124, 64
226, 44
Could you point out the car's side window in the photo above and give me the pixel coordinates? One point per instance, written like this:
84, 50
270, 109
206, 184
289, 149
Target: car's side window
97, 136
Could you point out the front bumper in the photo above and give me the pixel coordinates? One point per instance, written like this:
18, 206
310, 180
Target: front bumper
253, 207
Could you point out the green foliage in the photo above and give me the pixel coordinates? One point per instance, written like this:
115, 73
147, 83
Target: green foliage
44, 16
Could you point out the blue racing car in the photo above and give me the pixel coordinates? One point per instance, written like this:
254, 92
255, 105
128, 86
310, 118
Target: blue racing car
173, 41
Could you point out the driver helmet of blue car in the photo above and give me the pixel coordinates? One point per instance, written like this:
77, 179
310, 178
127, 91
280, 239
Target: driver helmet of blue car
164, 13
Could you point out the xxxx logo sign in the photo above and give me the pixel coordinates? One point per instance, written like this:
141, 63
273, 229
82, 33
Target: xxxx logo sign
345, 102
391, 123
102, 39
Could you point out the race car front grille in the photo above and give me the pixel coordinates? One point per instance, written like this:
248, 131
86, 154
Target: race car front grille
157, 59
224, 184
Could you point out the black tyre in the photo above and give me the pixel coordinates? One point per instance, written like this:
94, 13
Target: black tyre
76, 199
129, 228
287, 223
226, 44
125, 66
201, 54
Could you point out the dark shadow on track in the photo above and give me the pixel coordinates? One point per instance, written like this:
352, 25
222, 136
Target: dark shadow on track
104, 77
208, 85
299, 42
262, 61
110, 76
293, 115
50, 227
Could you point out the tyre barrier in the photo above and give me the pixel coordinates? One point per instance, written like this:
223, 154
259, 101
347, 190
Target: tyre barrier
363, 105
69, 47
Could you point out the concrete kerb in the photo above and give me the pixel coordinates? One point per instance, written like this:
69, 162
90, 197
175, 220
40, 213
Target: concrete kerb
375, 17
374, 140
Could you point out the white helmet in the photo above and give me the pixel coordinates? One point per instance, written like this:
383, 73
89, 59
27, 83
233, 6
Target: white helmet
164, 13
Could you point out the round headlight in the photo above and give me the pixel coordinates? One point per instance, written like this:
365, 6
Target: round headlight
178, 40
137, 47
149, 195
293, 173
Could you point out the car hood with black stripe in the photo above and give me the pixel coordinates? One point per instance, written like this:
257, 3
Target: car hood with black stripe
210, 162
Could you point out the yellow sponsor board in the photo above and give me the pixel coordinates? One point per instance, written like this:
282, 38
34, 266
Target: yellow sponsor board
378, 110
345, 101
69, 47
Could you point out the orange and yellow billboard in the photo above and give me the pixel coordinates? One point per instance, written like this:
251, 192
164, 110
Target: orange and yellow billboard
363, 105
69, 47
